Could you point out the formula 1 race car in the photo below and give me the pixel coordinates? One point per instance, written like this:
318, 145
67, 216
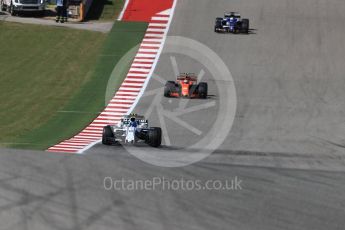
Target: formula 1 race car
132, 129
232, 23
186, 86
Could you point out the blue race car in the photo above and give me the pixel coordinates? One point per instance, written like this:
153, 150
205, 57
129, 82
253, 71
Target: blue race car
232, 23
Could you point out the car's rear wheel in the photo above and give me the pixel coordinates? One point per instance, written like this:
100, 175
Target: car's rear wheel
245, 26
154, 137
202, 90
169, 88
108, 137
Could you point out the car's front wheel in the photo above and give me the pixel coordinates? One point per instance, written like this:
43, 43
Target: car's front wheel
107, 136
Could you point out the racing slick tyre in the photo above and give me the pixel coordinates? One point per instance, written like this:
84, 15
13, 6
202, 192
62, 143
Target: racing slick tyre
218, 24
108, 137
202, 90
245, 26
169, 88
218, 29
154, 137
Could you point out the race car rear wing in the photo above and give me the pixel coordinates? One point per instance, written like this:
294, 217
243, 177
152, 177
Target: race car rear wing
127, 118
188, 76
232, 14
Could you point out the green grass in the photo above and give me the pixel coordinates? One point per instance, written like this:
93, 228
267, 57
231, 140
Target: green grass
105, 10
35, 97
40, 69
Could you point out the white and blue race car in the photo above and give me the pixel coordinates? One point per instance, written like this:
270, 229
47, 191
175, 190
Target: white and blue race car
232, 23
132, 129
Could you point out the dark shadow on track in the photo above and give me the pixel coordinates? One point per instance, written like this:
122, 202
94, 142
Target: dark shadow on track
251, 31
183, 150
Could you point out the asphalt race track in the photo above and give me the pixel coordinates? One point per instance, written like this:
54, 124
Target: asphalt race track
57, 191
286, 143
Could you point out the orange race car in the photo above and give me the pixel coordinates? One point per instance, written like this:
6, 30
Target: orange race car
186, 86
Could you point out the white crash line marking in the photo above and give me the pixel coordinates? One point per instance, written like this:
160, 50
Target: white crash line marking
160, 19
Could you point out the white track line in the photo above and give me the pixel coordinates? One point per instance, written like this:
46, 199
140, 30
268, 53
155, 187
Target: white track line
158, 25
123, 11
160, 18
